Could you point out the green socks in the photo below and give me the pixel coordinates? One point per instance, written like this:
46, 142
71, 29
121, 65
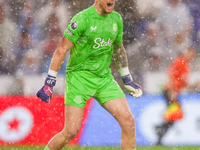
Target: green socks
46, 148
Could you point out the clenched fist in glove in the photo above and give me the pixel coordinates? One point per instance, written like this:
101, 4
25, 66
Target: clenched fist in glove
46, 92
134, 89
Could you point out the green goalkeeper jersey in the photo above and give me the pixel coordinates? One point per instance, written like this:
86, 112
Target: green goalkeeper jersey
93, 36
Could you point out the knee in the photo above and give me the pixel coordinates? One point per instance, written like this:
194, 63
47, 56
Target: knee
70, 132
129, 120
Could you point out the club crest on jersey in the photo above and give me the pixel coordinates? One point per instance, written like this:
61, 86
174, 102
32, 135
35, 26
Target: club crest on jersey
74, 25
114, 27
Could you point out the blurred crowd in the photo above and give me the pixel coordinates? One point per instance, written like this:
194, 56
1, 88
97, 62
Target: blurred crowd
155, 33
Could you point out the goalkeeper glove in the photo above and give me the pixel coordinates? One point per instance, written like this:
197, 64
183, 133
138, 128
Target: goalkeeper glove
46, 92
134, 89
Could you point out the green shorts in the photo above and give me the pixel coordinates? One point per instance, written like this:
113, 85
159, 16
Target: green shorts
82, 85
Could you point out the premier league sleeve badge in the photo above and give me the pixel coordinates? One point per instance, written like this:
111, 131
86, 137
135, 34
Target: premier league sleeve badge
74, 25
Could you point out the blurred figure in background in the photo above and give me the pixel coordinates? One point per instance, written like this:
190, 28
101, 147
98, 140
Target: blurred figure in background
28, 32
24, 44
27, 21
7, 37
178, 72
176, 23
7, 62
30, 64
148, 50
149, 9
53, 7
50, 43
194, 7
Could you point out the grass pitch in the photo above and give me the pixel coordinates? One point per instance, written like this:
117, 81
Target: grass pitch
107, 148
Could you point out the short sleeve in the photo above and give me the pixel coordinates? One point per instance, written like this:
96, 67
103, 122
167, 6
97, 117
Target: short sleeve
119, 38
75, 28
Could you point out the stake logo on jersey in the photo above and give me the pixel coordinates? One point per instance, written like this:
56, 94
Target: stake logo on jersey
102, 43
74, 25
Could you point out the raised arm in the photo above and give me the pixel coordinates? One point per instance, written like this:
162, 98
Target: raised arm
121, 61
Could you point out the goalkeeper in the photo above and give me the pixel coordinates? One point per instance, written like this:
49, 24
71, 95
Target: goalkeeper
178, 72
93, 36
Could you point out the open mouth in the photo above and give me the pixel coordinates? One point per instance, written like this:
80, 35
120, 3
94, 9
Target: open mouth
109, 4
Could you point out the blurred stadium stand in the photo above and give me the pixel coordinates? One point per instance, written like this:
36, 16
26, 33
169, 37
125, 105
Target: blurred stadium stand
137, 18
